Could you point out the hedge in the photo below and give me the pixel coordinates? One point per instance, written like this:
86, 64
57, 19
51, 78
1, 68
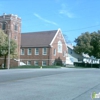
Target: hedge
86, 65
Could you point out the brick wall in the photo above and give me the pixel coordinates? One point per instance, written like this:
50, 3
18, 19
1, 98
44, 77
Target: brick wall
24, 58
58, 38
10, 21
50, 57
13, 63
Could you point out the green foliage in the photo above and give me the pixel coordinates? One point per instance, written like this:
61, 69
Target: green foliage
58, 62
4, 40
4, 45
95, 42
88, 43
86, 65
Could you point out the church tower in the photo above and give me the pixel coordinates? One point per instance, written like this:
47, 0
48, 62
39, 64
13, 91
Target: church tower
11, 24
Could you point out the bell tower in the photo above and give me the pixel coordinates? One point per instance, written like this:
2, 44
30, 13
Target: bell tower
11, 24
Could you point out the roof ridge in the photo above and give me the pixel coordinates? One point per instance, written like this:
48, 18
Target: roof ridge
38, 31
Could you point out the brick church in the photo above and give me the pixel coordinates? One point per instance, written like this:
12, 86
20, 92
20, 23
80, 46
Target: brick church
34, 48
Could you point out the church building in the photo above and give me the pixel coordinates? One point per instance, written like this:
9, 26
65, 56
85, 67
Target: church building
34, 48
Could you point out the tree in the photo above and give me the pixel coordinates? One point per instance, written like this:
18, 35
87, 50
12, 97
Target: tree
95, 42
3, 38
4, 45
88, 43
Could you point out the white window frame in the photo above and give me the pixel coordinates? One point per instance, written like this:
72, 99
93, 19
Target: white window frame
29, 62
43, 52
36, 53
54, 52
44, 63
22, 51
36, 63
59, 47
28, 51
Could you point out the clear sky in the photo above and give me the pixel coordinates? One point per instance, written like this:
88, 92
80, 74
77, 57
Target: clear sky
73, 17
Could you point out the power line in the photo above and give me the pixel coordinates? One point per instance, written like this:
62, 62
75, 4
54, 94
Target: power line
81, 28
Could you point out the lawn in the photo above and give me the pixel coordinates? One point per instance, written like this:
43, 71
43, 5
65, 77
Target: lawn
30, 66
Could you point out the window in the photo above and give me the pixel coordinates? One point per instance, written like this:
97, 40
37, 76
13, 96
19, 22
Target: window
36, 51
44, 63
22, 52
3, 26
29, 51
59, 47
15, 27
28, 62
64, 53
54, 52
71, 52
15, 37
35, 63
53, 62
44, 51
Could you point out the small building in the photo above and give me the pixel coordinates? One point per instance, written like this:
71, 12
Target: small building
72, 55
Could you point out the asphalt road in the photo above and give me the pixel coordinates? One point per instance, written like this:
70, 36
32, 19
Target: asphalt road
49, 84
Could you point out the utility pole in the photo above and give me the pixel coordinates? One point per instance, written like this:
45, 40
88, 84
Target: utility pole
9, 48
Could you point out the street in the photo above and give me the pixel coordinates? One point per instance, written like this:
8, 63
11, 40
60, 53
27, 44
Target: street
49, 84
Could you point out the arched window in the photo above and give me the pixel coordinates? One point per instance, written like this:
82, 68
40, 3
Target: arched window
59, 47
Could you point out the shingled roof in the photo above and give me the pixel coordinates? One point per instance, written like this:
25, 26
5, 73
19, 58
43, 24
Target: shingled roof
37, 39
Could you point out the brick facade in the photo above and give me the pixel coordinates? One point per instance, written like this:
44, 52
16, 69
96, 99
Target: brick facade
33, 57
50, 57
62, 55
11, 24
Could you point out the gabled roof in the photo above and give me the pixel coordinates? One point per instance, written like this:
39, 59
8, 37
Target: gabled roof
37, 39
70, 46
